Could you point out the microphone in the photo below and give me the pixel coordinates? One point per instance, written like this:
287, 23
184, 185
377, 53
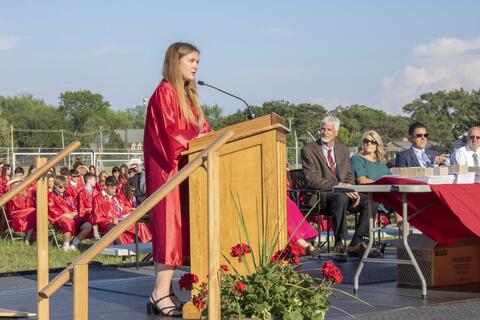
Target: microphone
250, 115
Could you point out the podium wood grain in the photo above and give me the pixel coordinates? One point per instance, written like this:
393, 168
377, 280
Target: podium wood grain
253, 171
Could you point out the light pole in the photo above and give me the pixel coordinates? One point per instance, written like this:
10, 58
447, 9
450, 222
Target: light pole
101, 138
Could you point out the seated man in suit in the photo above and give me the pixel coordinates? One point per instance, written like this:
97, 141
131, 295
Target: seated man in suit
418, 155
326, 163
468, 155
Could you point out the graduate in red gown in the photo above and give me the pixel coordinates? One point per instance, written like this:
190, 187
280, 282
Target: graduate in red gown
74, 184
104, 212
102, 177
128, 203
84, 200
21, 209
62, 213
107, 212
6, 176
4, 187
174, 117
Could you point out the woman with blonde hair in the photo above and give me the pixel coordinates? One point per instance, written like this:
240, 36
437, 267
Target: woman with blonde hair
174, 117
369, 164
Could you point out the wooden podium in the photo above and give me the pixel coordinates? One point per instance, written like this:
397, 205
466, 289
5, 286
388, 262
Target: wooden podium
253, 170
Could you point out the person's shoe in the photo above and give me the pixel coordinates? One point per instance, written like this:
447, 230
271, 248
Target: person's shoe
356, 250
168, 311
313, 251
339, 253
75, 243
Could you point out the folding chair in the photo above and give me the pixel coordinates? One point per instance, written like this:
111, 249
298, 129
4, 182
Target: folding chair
9, 232
52, 236
299, 194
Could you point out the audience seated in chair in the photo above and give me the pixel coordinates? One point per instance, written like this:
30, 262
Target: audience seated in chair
62, 213
369, 165
468, 155
326, 163
418, 155
21, 209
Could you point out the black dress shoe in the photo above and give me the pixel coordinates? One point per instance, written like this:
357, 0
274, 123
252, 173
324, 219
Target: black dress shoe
356, 250
339, 253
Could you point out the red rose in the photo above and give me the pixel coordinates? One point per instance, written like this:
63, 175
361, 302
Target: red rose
199, 303
331, 272
291, 253
187, 281
240, 286
224, 267
240, 250
246, 248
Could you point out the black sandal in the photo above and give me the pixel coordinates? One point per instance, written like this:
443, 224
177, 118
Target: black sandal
152, 308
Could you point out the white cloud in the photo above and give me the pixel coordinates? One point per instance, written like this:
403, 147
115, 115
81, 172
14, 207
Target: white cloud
445, 64
102, 51
8, 42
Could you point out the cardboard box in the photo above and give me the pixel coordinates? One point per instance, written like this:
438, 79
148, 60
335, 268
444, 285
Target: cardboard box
441, 265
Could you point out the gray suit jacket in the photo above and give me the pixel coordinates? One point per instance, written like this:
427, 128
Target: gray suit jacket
317, 173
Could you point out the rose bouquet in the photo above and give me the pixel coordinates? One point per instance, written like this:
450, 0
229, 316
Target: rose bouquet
273, 291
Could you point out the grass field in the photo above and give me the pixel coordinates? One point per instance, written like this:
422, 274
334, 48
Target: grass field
17, 256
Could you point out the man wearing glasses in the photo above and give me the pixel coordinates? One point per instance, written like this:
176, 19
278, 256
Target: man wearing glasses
418, 155
469, 154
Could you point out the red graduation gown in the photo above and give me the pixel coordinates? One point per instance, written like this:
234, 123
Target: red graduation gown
104, 212
58, 205
128, 206
84, 204
22, 213
166, 135
3, 186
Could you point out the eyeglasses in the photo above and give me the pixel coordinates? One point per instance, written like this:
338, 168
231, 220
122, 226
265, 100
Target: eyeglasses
474, 137
368, 141
421, 135
60, 187
75, 176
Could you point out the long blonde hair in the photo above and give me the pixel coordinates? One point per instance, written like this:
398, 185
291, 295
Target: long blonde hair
379, 154
171, 73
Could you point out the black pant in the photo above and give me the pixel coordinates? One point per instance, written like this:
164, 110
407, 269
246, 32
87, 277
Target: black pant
337, 204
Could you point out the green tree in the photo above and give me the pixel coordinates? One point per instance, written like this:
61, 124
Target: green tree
30, 115
4, 131
214, 114
138, 114
114, 141
79, 106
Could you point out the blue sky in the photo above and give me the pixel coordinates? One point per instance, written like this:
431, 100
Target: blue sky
378, 53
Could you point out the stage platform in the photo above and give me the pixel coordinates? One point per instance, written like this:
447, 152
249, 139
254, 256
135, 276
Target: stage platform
121, 293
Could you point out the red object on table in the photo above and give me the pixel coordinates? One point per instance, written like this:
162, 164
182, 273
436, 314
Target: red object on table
449, 213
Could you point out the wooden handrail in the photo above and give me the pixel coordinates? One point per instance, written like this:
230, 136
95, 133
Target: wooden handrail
148, 204
39, 172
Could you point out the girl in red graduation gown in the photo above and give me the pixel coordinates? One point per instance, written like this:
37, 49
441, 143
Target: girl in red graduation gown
126, 200
22, 212
63, 214
174, 117
6, 176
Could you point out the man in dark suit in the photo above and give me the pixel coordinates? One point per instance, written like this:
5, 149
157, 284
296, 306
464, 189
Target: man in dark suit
326, 163
418, 155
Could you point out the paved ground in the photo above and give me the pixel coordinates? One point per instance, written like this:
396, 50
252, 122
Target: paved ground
117, 293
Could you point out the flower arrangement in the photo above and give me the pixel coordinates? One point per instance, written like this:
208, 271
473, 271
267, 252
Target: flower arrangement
273, 291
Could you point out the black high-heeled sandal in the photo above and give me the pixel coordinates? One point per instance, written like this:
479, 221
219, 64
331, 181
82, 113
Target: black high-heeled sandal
152, 308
